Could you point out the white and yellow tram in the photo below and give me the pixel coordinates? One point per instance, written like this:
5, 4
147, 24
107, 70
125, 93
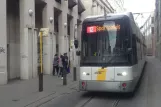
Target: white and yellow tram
112, 53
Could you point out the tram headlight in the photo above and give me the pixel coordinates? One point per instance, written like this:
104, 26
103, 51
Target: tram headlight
124, 73
84, 73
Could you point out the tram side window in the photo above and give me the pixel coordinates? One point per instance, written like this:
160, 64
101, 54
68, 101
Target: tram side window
134, 46
138, 52
138, 49
142, 52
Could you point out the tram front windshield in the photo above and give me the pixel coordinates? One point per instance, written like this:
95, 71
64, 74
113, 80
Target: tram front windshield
105, 43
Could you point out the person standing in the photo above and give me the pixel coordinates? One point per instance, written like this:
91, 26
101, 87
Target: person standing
55, 64
61, 66
65, 63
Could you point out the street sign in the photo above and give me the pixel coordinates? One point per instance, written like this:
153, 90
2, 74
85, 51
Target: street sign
71, 43
45, 31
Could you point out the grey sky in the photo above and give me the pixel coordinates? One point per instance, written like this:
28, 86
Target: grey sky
140, 6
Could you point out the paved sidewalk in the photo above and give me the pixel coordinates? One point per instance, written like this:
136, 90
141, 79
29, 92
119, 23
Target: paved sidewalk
25, 93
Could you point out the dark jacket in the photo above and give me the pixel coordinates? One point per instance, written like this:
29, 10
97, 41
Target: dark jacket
55, 62
65, 61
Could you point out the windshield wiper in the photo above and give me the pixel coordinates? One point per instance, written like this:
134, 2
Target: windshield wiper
113, 57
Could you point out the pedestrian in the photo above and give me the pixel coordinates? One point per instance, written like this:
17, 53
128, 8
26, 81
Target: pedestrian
65, 63
55, 64
61, 66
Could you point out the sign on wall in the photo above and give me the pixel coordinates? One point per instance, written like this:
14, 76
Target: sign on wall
45, 31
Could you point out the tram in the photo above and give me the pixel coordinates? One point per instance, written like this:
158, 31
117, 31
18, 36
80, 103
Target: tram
112, 53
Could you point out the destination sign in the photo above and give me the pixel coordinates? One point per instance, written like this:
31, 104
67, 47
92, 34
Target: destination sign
94, 29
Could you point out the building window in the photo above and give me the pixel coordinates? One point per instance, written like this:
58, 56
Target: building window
59, 1
68, 26
56, 25
57, 48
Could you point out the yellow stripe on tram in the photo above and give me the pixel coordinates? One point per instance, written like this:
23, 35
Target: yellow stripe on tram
101, 76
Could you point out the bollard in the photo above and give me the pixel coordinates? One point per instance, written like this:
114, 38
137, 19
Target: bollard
64, 77
41, 66
40, 82
74, 74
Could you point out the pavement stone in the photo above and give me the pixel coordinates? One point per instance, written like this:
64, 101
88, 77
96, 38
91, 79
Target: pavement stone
24, 93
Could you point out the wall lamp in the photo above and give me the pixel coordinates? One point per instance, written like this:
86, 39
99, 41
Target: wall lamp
65, 24
75, 28
30, 12
51, 19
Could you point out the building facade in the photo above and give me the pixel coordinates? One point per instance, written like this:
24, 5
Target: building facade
96, 7
148, 32
118, 5
21, 21
157, 26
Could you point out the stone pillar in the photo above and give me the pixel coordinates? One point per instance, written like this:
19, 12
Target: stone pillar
62, 19
73, 32
27, 54
99, 10
49, 47
79, 34
88, 6
3, 43
95, 8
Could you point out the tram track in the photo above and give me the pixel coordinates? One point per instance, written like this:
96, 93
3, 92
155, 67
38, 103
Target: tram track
114, 104
85, 103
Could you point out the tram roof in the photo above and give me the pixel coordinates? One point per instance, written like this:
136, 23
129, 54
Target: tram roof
109, 16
